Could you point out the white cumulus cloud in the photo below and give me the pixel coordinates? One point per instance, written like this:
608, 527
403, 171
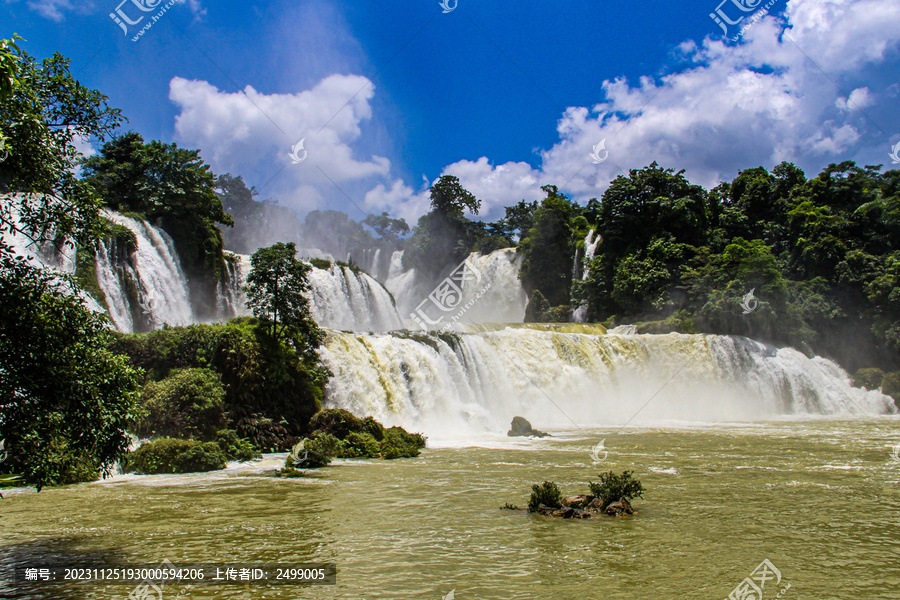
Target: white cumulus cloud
240, 131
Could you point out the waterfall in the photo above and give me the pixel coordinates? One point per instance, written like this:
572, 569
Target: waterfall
590, 250
231, 301
343, 299
491, 292
469, 383
57, 258
149, 282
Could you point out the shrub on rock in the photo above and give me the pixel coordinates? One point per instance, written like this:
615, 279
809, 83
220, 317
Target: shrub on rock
547, 494
612, 488
236, 448
168, 455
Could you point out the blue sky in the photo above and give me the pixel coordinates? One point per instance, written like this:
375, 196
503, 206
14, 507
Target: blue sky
507, 96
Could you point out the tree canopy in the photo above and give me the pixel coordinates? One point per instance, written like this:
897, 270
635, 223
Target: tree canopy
276, 292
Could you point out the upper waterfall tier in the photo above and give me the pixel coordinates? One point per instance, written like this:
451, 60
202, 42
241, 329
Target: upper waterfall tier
342, 298
149, 284
461, 384
488, 292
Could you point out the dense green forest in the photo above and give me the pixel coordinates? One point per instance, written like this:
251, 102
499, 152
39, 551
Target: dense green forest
820, 255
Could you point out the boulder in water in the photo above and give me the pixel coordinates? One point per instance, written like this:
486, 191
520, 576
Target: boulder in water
579, 502
522, 428
617, 509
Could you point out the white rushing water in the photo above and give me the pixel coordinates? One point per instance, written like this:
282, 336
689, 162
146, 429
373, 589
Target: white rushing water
231, 301
456, 385
343, 299
154, 271
489, 292
59, 259
591, 242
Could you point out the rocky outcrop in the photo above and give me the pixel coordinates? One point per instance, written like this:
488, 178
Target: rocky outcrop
586, 507
522, 428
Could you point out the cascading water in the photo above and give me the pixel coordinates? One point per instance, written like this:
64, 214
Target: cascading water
153, 270
343, 299
454, 385
230, 297
490, 292
49, 256
590, 250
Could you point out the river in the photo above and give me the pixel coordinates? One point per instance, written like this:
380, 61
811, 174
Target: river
819, 498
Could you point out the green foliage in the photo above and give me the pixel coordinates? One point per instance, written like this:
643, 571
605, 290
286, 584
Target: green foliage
270, 392
360, 445
169, 455
890, 385
386, 227
189, 403
276, 289
320, 263
42, 111
547, 494
399, 443
163, 181
548, 250
612, 488
868, 378
64, 397
234, 447
820, 255
338, 422
444, 236
338, 432
315, 451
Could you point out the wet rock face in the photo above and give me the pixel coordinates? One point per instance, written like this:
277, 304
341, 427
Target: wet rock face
522, 428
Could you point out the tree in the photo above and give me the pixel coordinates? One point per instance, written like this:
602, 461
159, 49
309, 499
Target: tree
444, 236
386, 227
163, 181
256, 223
42, 110
276, 291
520, 217
451, 199
65, 399
548, 249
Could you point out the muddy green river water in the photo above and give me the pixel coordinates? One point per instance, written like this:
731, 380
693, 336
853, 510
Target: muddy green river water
818, 499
